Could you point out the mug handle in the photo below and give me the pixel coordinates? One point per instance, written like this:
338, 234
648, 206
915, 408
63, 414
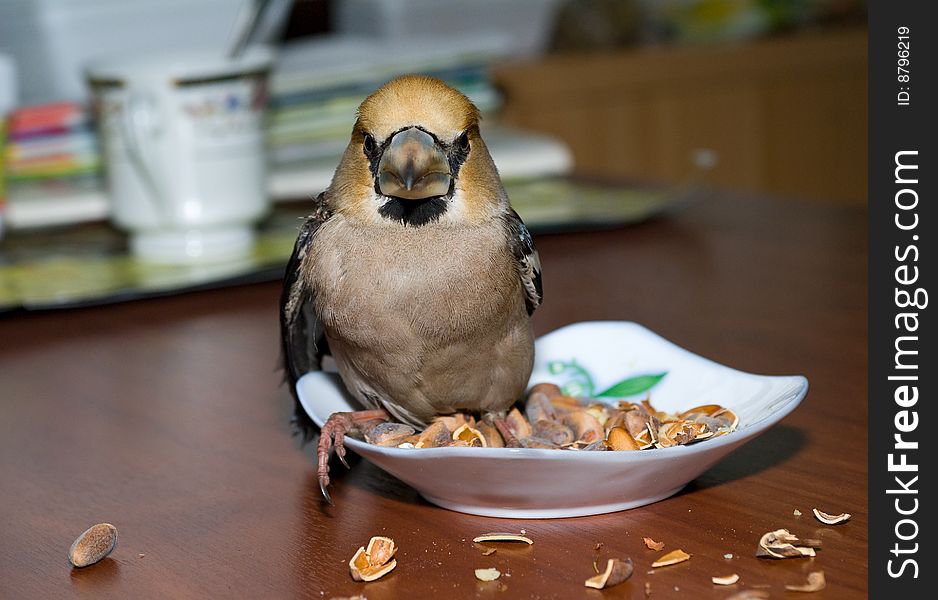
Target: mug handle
139, 126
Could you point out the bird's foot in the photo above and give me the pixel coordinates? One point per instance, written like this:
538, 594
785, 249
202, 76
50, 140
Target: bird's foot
333, 435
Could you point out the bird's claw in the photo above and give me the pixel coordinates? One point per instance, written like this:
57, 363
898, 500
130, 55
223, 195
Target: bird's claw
324, 487
333, 436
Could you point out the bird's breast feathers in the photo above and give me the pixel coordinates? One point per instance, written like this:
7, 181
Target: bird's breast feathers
439, 282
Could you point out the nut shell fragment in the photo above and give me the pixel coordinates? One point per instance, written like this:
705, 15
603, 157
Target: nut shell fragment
518, 425
94, 544
671, 558
781, 544
550, 390
616, 572
726, 580
828, 519
372, 573
380, 550
620, 439
472, 437
502, 537
490, 574
585, 426
652, 544
816, 583
389, 434
374, 562
533, 441
553, 431
539, 408
493, 439
435, 436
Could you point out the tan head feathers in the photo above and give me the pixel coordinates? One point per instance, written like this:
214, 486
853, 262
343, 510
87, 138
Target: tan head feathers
417, 100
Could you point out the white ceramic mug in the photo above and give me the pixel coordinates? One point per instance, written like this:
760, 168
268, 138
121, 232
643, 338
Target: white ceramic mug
184, 146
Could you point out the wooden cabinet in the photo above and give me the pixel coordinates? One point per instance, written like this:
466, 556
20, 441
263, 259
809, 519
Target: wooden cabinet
786, 115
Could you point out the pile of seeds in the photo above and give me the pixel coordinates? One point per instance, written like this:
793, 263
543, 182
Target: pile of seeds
553, 420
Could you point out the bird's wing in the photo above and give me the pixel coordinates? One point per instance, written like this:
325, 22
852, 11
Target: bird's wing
302, 338
529, 264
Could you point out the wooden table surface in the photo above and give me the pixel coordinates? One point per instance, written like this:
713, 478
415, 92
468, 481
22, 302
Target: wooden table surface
167, 418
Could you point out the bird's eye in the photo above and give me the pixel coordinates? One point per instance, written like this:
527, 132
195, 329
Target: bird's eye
462, 142
370, 144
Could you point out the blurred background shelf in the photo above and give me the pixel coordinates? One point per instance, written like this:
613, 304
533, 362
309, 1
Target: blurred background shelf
785, 115
518, 154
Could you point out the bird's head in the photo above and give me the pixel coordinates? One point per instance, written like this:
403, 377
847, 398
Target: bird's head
416, 157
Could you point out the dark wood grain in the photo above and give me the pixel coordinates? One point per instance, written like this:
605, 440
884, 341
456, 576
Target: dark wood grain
167, 418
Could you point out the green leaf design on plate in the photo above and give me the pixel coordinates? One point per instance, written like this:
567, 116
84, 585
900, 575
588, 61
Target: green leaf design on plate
631, 386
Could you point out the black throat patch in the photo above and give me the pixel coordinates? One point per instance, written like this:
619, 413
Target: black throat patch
414, 212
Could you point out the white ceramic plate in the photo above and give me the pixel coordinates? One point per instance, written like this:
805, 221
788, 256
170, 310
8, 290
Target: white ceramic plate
535, 483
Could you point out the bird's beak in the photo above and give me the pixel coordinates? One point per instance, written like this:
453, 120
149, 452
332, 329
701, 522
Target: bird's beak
414, 167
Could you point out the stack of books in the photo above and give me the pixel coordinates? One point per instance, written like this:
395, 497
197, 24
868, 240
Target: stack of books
51, 142
318, 83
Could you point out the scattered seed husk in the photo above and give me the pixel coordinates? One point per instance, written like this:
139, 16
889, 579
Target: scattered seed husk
488, 551
380, 550
648, 589
598, 445
502, 537
671, 558
374, 561
389, 434
620, 439
518, 425
782, 544
829, 519
94, 544
437, 435
493, 439
616, 572
536, 442
816, 583
563, 404
585, 426
551, 390
490, 574
728, 555
796, 512
472, 437
725, 580
553, 431
539, 408
652, 544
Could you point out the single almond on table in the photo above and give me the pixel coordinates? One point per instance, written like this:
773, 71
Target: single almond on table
94, 544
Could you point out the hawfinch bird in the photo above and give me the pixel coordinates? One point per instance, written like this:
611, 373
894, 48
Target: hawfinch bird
413, 271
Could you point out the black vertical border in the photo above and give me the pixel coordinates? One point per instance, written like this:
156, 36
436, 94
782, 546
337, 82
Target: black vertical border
894, 128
